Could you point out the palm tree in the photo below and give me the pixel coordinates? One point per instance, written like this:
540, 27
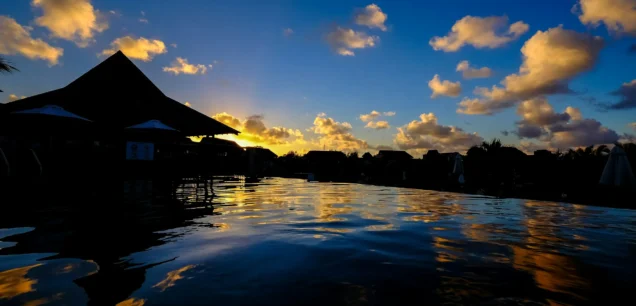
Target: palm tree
492, 147
601, 150
5, 66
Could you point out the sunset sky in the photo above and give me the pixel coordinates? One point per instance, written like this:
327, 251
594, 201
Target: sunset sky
354, 75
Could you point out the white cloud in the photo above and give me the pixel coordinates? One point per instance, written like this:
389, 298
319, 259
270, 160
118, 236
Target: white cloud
488, 32
74, 20
181, 65
619, 16
372, 17
344, 40
550, 60
288, 32
627, 92
378, 125
426, 133
389, 114
16, 39
560, 130
137, 48
471, 72
143, 20
444, 88
253, 129
336, 135
370, 116
173, 45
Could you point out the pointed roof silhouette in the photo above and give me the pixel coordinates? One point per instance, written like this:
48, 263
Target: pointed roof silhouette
116, 94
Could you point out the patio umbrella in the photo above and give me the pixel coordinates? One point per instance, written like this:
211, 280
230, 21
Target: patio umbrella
153, 130
458, 168
45, 121
617, 171
51, 110
152, 125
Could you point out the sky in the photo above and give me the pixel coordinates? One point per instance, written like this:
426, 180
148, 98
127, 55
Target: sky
354, 75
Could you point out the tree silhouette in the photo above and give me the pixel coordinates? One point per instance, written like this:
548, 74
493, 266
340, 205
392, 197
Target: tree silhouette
5, 66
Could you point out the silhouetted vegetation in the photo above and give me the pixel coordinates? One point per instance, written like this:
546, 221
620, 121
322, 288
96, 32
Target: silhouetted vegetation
490, 168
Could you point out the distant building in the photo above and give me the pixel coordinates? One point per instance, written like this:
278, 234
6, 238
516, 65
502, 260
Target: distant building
335, 156
261, 153
393, 155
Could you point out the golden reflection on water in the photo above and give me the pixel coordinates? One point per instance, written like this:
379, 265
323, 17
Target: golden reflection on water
551, 271
14, 282
132, 302
172, 277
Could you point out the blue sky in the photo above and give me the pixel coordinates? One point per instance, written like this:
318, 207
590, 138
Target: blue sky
290, 79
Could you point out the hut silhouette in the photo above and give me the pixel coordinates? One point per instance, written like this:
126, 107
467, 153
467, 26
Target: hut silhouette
115, 94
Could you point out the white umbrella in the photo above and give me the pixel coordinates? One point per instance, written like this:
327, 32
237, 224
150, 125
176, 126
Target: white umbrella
458, 168
51, 110
618, 171
152, 125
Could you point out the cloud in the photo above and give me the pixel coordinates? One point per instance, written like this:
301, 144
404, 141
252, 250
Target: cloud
619, 16
560, 130
74, 20
505, 133
253, 129
288, 32
489, 32
187, 104
372, 17
389, 114
16, 39
143, 20
426, 133
379, 125
473, 73
370, 116
550, 60
173, 45
627, 92
344, 40
632, 125
384, 147
336, 135
444, 88
137, 48
181, 65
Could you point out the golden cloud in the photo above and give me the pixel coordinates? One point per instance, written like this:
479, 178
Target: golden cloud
550, 60
16, 39
619, 16
344, 40
74, 20
253, 129
444, 88
181, 65
480, 33
372, 17
137, 48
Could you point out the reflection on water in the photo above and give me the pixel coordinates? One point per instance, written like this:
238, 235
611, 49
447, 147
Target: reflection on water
289, 242
14, 282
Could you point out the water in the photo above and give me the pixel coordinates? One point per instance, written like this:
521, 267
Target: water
289, 242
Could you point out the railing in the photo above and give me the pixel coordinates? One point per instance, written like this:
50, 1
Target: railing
37, 160
6, 161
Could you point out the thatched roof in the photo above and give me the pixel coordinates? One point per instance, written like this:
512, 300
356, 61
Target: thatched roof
116, 94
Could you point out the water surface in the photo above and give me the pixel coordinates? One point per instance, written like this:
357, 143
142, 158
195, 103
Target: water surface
289, 242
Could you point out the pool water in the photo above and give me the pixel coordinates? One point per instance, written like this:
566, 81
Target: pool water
291, 242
